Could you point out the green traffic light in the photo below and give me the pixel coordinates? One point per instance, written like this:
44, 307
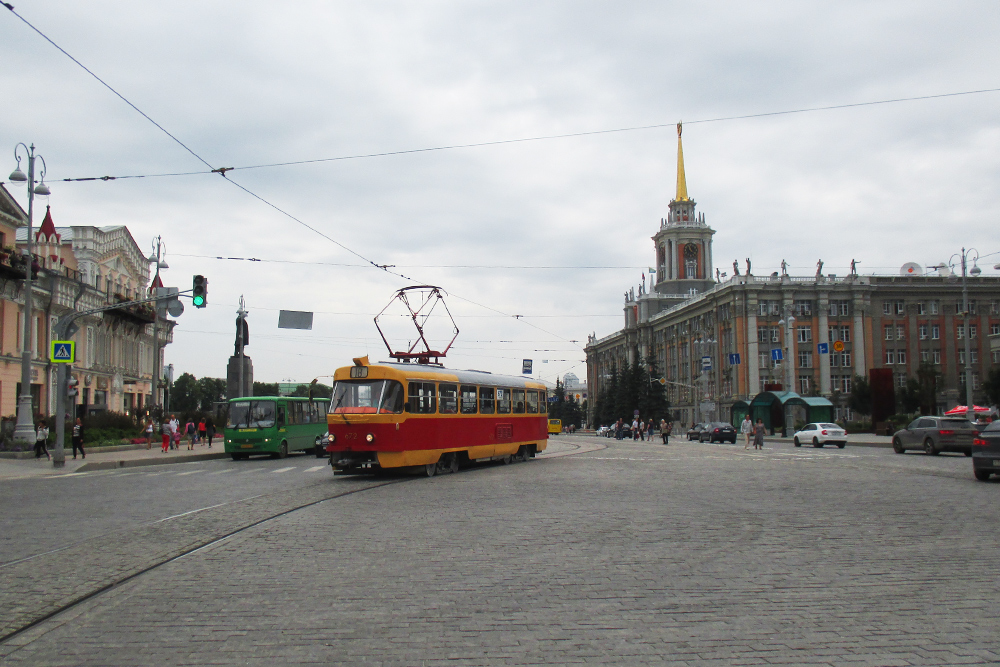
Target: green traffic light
198, 301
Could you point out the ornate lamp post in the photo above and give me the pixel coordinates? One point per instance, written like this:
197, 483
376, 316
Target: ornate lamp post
975, 271
789, 323
24, 431
157, 257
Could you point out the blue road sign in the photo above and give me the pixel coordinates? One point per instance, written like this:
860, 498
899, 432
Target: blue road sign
706, 363
823, 348
734, 359
776, 354
62, 352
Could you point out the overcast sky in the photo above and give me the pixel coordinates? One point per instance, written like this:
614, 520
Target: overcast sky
248, 82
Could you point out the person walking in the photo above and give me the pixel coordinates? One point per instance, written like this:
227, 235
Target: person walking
746, 428
191, 432
758, 435
618, 429
41, 438
167, 435
149, 433
201, 431
635, 429
664, 433
210, 432
175, 432
77, 438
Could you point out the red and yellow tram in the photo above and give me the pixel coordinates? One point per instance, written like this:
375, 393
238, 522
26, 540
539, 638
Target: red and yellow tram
397, 415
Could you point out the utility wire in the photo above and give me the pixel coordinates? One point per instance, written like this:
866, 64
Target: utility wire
408, 266
546, 137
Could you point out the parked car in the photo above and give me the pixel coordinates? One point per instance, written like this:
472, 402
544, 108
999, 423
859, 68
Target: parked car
605, 432
986, 452
819, 434
935, 435
694, 433
720, 431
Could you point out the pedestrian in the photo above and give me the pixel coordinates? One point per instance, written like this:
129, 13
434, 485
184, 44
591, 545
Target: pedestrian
664, 434
191, 431
649, 430
618, 429
758, 435
746, 428
149, 433
201, 431
41, 438
175, 432
635, 429
210, 431
78, 438
167, 435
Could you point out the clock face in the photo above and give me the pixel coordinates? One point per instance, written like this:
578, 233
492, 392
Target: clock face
691, 251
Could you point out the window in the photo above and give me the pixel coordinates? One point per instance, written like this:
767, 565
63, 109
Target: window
996, 357
360, 397
486, 405
925, 356
468, 399
449, 399
972, 331
960, 331
900, 333
890, 357
921, 309
932, 307
802, 308
764, 359
533, 402
923, 331
900, 356
887, 330
519, 401
887, 307
995, 329
845, 359
936, 332
936, 354
805, 334
805, 359
503, 401
845, 334
841, 308
994, 307
421, 398
972, 307
901, 308
805, 381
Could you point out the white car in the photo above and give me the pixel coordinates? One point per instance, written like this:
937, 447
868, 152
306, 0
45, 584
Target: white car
820, 434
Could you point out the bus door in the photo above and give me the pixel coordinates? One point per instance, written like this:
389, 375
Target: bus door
282, 420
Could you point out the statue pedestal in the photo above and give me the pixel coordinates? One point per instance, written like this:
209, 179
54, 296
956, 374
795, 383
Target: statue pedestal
233, 389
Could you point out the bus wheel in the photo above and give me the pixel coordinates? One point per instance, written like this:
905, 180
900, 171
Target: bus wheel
282, 451
238, 457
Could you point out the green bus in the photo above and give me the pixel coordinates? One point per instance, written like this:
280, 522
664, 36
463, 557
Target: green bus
274, 425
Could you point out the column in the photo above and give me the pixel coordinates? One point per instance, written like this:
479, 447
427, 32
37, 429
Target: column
858, 342
823, 336
753, 356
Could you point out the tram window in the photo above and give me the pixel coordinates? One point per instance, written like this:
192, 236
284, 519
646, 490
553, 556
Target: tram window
392, 398
468, 399
422, 398
532, 402
503, 401
449, 399
519, 401
486, 405
543, 406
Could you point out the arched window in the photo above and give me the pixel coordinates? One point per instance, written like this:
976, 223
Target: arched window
690, 260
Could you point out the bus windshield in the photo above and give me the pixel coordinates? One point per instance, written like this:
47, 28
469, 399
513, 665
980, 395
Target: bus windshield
367, 397
251, 414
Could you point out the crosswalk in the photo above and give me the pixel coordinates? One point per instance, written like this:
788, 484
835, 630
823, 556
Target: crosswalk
206, 472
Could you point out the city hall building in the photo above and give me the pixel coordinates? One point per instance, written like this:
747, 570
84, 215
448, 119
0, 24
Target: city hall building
724, 343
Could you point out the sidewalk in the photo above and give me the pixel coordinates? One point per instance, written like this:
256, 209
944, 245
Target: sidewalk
105, 460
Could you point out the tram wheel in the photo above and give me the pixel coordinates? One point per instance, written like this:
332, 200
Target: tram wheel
507, 460
523, 454
431, 469
453, 463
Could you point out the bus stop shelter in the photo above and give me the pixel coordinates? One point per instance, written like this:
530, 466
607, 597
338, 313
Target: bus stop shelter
781, 409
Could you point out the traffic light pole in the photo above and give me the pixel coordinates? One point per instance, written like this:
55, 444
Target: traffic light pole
64, 330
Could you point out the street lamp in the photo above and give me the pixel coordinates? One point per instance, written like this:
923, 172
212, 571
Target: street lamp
789, 323
974, 272
157, 257
24, 431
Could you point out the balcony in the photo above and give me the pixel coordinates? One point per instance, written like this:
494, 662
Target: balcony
142, 313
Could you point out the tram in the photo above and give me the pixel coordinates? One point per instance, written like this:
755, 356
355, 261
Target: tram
426, 417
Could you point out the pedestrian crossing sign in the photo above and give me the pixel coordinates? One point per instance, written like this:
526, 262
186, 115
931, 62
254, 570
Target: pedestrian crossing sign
63, 352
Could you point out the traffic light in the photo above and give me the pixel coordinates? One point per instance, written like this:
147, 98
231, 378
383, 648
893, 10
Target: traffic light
199, 292
71, 390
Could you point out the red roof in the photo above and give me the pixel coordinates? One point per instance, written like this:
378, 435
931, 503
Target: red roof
48, 228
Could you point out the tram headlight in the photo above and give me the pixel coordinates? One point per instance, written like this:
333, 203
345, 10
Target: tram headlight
331, 438
370, 438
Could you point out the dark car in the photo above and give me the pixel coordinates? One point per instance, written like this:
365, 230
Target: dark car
694, 433
986, 452
720, 431
935, 435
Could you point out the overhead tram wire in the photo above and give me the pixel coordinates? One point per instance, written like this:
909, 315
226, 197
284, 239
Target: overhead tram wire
546, 137
222, 172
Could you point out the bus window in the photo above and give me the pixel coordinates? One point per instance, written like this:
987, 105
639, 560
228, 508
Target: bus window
251, 414
449, 399
486, 400
281, 415
519, 401
503, 401
532, 402
296, 413
422, 399
468, 399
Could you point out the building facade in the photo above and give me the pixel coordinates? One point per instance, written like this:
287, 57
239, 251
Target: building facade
722, 340
77, 269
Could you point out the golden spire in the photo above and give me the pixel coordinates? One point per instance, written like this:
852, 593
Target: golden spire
682, 190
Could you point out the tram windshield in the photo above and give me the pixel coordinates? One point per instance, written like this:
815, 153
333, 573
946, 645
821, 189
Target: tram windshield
367, 397
251, 414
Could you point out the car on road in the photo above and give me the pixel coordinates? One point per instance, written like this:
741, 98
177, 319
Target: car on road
819, 434
986, 452
604, 432
694, 433
720, 431
935, 435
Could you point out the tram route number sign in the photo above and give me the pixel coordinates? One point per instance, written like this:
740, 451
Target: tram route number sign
526, 367
62, 352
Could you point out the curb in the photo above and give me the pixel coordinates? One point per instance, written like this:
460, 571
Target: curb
97, 450
134, 463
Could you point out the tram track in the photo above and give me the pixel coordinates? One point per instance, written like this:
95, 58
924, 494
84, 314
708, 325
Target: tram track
14, 605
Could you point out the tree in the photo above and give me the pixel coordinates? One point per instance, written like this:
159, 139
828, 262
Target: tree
184, 394
265, 389
319, 390
860, 399
928, 378
210, 391
991, 386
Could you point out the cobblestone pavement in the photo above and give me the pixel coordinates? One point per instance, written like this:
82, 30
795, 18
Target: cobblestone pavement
636, 554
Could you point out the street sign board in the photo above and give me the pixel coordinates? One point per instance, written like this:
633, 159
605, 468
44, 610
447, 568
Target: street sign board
823, 348
706, 363
62, 352
776, 354
526, 367
838, 346
734, 359
295, 319
635, 413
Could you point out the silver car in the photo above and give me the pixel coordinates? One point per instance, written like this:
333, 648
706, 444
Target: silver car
935, 435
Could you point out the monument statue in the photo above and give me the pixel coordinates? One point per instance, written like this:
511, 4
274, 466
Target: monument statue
736, 268
819, 268
242, 335
748, 266
784, 268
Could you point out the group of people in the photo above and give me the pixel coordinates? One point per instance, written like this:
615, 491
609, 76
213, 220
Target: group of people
172, 432
642, 430
753, 432
42, 439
